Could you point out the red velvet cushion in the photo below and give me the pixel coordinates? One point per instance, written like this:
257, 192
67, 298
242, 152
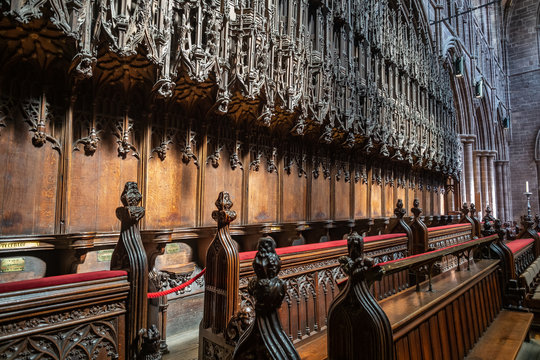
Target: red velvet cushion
247, 255
58, 280
516, 245
448, 226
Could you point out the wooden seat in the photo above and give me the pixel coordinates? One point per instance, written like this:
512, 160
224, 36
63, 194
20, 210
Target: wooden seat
503, 338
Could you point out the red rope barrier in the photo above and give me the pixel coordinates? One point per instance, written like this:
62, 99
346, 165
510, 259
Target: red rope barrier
176, 288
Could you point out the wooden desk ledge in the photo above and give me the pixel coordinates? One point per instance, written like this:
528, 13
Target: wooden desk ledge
503, 338
315, 348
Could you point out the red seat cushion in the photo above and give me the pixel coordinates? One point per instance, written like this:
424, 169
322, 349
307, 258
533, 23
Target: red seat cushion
516, 245
448, 226
58, 280
247, 255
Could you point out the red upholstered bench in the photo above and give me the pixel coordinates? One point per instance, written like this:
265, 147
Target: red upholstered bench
247, 255
451, 226
54, 309
59, 280
519, 244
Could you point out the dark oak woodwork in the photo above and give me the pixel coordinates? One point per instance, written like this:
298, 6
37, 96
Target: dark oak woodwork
419, 230
356, 305
265, 338
221, 289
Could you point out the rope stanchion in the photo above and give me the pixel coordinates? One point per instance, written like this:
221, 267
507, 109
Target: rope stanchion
176, 288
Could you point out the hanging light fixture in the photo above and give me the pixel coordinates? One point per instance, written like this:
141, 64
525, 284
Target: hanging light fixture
479, 89
459, 65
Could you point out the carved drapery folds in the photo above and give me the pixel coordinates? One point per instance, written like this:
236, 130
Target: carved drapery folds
356, 305
323, 70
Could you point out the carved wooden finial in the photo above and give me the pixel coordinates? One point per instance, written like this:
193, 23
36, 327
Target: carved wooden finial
537, 223
129, 254
465, 210
477, 227
399, 211
356, 305
224, 215
265, 338
221, 279
488, 216
419, 243
416, 210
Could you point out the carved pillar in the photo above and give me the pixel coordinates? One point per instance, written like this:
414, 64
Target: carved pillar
222, 284
129, 254
491, 181
468, 167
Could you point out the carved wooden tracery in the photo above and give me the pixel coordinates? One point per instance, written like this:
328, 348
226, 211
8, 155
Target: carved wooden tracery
328, 71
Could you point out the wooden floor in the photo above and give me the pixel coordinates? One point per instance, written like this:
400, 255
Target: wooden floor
185, 347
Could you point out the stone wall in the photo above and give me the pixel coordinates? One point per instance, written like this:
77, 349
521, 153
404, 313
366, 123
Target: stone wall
524, 75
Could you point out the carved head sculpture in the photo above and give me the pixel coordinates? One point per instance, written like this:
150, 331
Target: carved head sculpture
267, 289
266, 263
473, 209
465, 209
399, 211
355, 245
131, 195
416, 209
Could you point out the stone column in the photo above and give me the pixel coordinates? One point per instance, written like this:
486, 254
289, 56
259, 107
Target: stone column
478, 199
468, 166
484, 173
506, 190
491, 181
499, 186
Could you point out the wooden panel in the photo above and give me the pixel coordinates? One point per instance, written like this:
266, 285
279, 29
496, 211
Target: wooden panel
28, 182
360, 200
172, 192
95, 183
263, 199
343, 199
376, 200
410, 199
389, 201
320, 198
222, 178
294, 197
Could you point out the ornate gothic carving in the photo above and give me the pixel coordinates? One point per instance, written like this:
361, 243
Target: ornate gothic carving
342, 75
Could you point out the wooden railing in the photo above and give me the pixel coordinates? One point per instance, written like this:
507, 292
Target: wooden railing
464, 302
